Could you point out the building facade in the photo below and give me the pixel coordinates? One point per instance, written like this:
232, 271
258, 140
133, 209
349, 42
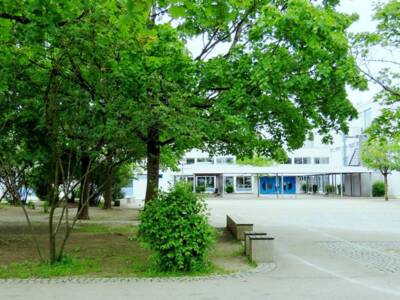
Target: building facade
316, 168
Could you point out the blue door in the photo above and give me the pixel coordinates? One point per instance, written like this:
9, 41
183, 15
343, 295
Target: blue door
268, 185
289, 185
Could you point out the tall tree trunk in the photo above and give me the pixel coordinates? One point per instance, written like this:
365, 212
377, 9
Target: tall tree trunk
153, 164
108, 190
385, 180
84, 196
52, 238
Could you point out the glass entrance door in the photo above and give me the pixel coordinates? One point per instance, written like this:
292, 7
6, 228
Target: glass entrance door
289, 185
208, 182
269, 185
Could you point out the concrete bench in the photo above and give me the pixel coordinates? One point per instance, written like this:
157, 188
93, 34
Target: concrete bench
237, 227
247, 234
261, 248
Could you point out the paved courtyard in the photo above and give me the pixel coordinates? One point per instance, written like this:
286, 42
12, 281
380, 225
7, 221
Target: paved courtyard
325, 249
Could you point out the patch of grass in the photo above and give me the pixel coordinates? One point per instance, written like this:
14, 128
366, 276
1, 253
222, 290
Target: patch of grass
101, 228
128, 266
251, 263
227, 252
69, 266
104, 250
4, 205
149, 269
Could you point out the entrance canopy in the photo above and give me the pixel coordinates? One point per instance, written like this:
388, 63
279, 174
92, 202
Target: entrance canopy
290, 170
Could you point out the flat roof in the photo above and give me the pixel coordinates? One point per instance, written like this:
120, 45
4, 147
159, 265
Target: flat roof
293, 170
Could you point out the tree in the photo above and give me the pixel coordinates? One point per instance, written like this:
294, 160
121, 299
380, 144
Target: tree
60, 97
381, 152
380, 49
282, 76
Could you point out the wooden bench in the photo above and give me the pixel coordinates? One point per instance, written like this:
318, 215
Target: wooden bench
237, 227
247, 235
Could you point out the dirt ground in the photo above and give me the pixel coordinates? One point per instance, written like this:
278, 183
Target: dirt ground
107, 241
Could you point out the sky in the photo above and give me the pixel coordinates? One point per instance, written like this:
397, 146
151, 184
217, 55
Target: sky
364, 8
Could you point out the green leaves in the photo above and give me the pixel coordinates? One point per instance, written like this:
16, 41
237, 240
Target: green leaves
175, 226
382, 149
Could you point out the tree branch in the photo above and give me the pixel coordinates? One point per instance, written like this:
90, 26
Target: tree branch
24, 20
380, 83
18, 19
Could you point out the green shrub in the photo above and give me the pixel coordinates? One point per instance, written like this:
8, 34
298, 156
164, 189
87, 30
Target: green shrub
315, 188
229, 189
330, 189
200, 189
46, 207
175, 226
31, 205
304, 187
378, 189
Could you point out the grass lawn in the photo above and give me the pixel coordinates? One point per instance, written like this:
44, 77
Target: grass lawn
99, 250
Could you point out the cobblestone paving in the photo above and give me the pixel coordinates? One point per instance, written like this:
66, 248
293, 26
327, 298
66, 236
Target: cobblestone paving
381, 256
262, 268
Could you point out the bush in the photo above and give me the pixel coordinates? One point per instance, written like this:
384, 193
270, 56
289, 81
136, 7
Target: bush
330, 189
200, 189
315, 188
101, 204
175, 226
304, 187
46, 207
229, 189
31, 205
339, 186
378, 189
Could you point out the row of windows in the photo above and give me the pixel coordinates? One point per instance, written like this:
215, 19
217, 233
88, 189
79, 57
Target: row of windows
243, 183
308, 161
231, 160
218, 160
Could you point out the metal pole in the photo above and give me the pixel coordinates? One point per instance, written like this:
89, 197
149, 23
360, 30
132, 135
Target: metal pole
341, 185
351, 185
370, 184
334, 179
258, 185
222, 185
282, 185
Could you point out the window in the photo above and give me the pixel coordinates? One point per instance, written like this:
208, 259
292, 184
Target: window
207, 183
289, 161
321, 160
225, 160
302, 160
205, 160
229, 182
243, 184
190, 161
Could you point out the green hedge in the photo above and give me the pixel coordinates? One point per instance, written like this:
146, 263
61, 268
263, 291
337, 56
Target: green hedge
378, 189
175, 226
229, 189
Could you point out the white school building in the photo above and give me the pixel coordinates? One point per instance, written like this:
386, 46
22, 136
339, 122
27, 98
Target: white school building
316, 168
